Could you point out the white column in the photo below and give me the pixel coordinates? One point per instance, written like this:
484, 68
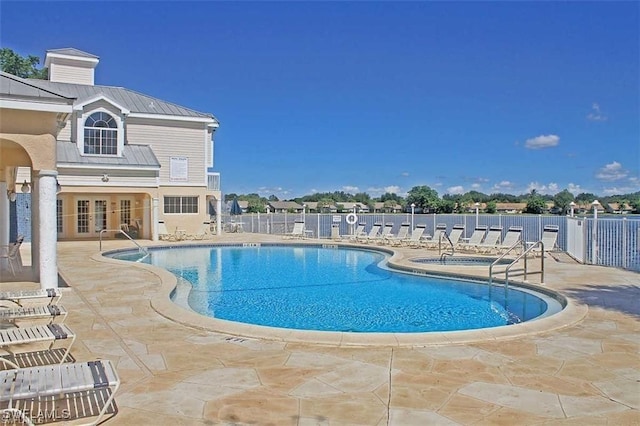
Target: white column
154, 219
218, 216
4, 215
47, 229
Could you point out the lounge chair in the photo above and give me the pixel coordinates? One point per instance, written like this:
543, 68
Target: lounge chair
50, 312
202, 233
416, 236
358, 233
456, 234
491, 240
11, 337
402, 236
17, 296
549, 240
511, 240
73, 390
373, 233
386, 232
11, 253
476, 238
163, 233
297, 232
434, 241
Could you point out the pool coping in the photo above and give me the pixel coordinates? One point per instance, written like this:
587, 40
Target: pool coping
162, 304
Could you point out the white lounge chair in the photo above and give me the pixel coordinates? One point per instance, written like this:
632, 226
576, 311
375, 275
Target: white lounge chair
11, 253
297, 232
434, 241
511, 240
549, 240
373, 233
202, 233
456, 234
402, 236
358, 233
386, 232
11, 337
76, 390
51, 312
163, 233
491, 240
416, 236
53, 294
476, 238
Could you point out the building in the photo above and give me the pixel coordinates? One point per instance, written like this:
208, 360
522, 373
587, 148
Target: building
126, 158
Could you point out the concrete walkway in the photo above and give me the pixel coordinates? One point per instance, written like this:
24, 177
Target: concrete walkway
585, 371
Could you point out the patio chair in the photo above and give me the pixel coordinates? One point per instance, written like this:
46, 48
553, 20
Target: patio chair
163, 233
512, 239
386, 232
297, 232
11, 253
403, 234
51, 312
434, 241
11, 337
73, 390
476, 238
17, 296
373, 233
359, 232
202, 233
456, 234
416, 236
491, 240
549, 240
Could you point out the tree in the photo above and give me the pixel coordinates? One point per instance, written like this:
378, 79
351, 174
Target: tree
535, 204
491, 207
446, 206
424, 197
15, 64
562, 200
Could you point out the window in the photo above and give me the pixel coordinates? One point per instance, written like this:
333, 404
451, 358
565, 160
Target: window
59, 216
101, 134
181, 204
125, 211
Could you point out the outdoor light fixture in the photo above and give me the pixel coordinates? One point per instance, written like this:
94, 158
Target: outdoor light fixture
11, 195
58, 187
25, 187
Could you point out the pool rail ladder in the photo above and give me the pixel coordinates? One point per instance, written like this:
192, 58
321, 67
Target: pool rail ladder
141, 249
524, 271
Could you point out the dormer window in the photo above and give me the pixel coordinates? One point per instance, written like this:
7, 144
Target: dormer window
101, 134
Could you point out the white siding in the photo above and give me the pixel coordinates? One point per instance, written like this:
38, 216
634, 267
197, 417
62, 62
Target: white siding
62, 73
172, 139
65, 133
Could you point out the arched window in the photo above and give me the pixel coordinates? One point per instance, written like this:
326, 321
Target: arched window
101, 134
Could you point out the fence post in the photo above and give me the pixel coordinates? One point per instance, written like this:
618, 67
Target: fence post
625, 249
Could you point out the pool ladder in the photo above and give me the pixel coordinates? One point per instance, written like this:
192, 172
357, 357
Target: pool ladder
446, 253
140, 248
509, 272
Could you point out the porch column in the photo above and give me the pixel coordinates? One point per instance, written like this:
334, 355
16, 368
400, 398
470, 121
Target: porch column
219, 216
154, 219
47, 229
4, 214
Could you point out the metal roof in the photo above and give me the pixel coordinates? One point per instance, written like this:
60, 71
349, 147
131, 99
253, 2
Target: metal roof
135, 102
132, 156
16, 87
72, 52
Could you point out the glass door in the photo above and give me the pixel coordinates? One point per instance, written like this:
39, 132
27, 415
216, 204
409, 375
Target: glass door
91, 217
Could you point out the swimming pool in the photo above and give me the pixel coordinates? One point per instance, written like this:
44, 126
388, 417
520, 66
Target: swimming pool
334, 289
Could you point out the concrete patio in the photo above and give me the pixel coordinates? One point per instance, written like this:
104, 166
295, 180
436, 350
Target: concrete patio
585, 370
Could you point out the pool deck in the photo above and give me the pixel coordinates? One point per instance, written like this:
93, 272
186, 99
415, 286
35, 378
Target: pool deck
581, 367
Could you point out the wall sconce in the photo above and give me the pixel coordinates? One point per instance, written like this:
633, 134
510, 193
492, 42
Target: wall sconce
25, 187
11, 195
58, 187
105, 178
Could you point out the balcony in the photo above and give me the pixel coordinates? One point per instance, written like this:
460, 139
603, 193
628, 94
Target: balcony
213, 181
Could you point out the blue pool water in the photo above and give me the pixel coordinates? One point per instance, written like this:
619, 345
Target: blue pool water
334, 289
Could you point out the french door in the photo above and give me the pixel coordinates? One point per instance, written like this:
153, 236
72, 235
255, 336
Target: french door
91, 216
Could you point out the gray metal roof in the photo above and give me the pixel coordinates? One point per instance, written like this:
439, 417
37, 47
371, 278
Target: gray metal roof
72, 52
16, 87
133, 101
132, 156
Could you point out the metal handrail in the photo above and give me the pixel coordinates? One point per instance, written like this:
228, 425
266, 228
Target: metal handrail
142, 249
524, 253
453, 250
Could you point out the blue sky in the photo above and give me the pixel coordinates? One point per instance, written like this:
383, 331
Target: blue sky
378, 96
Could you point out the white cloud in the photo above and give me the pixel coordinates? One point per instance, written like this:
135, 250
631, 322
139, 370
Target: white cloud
612, 172
455, 190
504, 185
551, 188
404, 174
350, 189
574, 188
596, 114
476, 186
542, 141
391, 189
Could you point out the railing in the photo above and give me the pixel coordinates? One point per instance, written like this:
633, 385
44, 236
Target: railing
451, 246
524, 271
142, 249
